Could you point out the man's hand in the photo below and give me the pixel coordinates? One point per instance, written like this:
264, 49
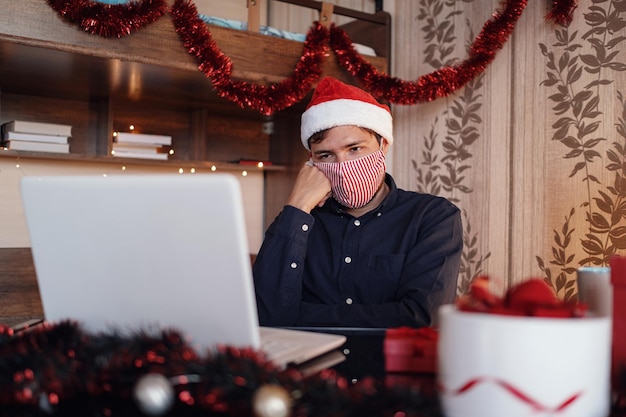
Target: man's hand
312, 188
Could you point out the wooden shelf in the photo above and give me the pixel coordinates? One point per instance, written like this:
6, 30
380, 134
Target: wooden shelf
219, 166
52, 71
35, 41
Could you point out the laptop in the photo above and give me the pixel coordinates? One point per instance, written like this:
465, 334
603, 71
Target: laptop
137, 252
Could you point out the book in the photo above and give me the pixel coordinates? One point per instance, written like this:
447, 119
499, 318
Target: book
41, 128
138, 154
33, 137
141, 147
22, 145
138, 147
127, 137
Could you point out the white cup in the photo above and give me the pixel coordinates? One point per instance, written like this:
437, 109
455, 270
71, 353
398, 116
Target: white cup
492, 365
594, 289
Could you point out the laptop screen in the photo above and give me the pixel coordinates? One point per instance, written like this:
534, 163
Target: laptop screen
139, 251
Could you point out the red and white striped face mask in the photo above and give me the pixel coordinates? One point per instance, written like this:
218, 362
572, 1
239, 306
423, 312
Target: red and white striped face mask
355, 182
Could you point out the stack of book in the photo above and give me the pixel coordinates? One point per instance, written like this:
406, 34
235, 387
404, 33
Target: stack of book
21, 135
141, 145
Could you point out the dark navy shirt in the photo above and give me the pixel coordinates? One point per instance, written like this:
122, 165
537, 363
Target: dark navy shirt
393, 266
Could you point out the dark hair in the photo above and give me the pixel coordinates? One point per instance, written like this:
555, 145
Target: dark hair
317, 137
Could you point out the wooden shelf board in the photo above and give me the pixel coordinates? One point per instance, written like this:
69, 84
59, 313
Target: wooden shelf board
220, 166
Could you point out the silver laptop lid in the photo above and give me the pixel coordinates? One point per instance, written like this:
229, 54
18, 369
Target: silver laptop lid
135, 251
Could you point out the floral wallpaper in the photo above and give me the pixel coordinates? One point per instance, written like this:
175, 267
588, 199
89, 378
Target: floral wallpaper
575, 103
533, 151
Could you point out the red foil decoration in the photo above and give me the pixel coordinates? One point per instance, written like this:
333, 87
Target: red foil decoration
439, 83
59, 369
119, 20
218, 67
109, 20
562, 11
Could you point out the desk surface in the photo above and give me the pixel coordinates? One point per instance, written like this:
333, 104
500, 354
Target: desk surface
363, 351
364, 358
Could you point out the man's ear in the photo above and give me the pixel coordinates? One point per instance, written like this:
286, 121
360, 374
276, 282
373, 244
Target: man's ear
384, 145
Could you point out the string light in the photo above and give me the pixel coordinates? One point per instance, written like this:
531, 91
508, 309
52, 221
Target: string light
244, 173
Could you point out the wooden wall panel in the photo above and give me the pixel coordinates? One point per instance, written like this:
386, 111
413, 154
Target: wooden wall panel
19, 292
431, 155
545, 179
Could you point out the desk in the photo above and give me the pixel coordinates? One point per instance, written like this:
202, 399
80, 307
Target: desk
364, 358
363, 351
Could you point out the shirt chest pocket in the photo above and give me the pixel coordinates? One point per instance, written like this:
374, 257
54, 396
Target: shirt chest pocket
381, 279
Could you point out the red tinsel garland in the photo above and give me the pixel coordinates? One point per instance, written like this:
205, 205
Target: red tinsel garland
118, 20
62, 370
562, 11
109, 20
215, 65
439, 83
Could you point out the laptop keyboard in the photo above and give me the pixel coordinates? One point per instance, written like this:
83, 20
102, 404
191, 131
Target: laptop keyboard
275, 348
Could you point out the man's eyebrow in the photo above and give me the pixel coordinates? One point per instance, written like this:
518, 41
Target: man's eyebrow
354, 143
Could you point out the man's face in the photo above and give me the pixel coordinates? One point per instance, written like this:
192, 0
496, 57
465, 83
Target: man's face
344, 143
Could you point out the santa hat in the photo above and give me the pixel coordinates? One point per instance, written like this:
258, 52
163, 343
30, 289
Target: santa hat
337, 104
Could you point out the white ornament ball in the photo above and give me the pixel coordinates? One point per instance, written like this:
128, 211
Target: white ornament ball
271, 401
154, 394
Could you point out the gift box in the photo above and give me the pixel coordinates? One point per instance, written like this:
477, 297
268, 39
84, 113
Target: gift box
524, 354
495, 365
410, 350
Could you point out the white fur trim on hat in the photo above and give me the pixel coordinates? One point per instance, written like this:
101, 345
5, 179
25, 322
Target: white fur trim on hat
344, 112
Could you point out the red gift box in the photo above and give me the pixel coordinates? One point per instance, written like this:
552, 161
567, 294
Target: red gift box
618, 282
411, 350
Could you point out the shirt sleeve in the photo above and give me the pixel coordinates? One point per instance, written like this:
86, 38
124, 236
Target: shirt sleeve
279, 267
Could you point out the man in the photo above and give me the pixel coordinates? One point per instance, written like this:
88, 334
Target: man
350, 249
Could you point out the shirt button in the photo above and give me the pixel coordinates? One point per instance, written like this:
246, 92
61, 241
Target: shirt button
293, 265
348, 300
305, 227
379, 214
347, 259
357, 222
